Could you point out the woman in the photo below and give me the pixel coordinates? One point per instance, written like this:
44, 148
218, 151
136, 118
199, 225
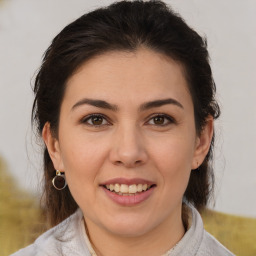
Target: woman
124, 102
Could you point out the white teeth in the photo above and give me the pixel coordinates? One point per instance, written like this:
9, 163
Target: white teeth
132, 189
124, 189
117, 188
144, 187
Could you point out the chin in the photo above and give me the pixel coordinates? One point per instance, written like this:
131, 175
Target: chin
129, 231
129, 227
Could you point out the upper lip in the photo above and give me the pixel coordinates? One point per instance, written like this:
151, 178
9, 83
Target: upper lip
127, 181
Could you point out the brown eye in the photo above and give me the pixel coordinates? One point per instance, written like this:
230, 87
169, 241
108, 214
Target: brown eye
161, 120
95, 120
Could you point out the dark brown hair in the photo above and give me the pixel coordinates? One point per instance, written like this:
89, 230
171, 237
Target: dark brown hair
123, 26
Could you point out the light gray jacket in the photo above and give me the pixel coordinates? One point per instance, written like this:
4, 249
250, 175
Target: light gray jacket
69, 239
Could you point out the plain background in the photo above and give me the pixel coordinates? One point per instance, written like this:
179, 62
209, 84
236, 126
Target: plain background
26, 30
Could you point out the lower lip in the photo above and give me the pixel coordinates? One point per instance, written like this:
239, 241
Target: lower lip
129, 200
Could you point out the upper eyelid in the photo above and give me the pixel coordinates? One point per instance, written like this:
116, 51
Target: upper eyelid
168, 117
88, 117
161, 114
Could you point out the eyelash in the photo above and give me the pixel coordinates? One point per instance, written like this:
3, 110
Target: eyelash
85, 120
170, 120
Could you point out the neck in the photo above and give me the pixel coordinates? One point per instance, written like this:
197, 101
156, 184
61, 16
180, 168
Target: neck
154, 243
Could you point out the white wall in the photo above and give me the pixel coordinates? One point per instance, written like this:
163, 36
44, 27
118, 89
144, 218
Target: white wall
28, 26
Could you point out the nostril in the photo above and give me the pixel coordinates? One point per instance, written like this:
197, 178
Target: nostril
128, 163
118, 162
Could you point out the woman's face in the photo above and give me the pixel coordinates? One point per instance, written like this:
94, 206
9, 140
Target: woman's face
127, 124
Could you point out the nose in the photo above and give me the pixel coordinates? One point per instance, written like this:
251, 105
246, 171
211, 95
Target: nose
128, 148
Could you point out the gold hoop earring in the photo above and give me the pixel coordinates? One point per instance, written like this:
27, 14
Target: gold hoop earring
59, 181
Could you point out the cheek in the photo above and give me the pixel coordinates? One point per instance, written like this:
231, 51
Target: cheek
174, 153
173, 159
82, 160
82, 167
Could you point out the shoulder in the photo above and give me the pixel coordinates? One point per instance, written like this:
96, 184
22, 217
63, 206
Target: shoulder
197, 241
211, 247
63, 239
207, 244
28, 251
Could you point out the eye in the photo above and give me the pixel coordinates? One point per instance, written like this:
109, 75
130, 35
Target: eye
161, 120
95, 120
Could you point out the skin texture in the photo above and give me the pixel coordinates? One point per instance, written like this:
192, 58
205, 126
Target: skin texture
129, 143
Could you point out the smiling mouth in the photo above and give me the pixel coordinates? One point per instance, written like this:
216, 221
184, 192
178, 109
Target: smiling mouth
128, 190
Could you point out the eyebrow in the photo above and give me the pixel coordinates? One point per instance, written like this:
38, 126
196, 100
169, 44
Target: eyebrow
145, 106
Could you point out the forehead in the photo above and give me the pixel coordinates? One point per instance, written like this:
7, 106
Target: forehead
138, 76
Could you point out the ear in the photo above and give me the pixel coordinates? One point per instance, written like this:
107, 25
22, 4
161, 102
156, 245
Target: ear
203, 143
53, 147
